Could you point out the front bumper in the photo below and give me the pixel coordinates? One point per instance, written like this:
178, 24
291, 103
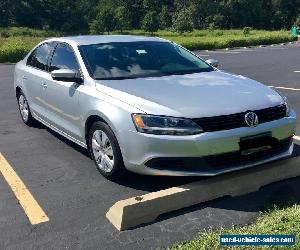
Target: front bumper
143, 149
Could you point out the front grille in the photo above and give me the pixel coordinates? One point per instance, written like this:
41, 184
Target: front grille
226, 122
219, 162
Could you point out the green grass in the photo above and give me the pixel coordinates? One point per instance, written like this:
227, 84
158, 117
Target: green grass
16, 42
24, 31
13, 49
218, 39
275, 221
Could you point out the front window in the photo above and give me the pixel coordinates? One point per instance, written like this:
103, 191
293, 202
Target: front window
64, 58
124, 60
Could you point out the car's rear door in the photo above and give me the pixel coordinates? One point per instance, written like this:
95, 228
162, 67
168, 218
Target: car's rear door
62, 96
35, 77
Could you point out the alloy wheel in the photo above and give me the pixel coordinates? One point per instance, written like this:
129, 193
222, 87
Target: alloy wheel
23, 105
103, 151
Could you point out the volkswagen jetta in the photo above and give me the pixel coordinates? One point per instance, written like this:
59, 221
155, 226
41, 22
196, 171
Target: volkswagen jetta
150, 106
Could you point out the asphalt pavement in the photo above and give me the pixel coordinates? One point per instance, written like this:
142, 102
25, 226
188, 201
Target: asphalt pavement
75, 197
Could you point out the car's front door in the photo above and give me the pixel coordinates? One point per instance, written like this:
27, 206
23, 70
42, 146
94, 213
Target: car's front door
61, 97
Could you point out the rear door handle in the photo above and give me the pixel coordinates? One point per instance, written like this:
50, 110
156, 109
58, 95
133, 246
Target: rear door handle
24, 77
44, 85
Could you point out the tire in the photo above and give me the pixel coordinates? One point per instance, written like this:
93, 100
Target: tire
105, 151
24, 109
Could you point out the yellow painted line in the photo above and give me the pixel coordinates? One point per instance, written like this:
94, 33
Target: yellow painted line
30, 206
297, 137
284, 88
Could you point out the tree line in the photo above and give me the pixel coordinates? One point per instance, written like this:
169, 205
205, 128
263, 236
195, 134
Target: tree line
98, 16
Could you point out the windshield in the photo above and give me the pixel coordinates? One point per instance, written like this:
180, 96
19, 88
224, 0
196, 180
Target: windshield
124, 60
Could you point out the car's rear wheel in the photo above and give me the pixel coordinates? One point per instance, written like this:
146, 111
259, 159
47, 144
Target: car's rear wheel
105, 151
25, 110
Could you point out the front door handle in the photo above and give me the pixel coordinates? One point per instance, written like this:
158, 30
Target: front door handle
44, 85
24, 77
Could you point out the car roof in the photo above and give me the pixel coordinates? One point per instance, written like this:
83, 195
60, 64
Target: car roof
97, 39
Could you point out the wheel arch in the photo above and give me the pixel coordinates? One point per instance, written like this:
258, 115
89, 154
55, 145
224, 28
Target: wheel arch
89, 122
18, 90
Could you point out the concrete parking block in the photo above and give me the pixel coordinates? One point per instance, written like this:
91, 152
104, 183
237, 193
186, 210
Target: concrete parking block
135, 211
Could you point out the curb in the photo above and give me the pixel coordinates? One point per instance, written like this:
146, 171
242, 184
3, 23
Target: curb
250, 47
144, 209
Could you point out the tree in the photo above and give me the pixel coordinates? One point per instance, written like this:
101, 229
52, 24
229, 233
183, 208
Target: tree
152, 5
80, 16
27, 14
151, 22
297, 22
216, 21
7, 12
122, 18
165, 18
52, 14
289, 10
182, 21
105, 21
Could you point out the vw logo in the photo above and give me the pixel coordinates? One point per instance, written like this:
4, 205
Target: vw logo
251, 119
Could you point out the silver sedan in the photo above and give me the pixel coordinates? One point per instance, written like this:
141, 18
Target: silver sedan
151, 106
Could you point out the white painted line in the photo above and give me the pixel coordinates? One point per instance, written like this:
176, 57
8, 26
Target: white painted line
297, 71
225, 52
143, 209
284, 88
201, 55
30, 206
244, 50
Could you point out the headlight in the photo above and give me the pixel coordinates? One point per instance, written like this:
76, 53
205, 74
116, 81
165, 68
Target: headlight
286, 103
163, 125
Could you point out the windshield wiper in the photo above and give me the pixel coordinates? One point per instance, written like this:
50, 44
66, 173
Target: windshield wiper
129, 77
158, 74
115, 78
185, 72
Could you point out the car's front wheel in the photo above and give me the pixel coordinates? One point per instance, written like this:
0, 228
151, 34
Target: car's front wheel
105, 151
25, 110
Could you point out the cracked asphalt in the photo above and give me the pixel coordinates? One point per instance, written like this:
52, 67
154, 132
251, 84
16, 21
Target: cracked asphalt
66, 184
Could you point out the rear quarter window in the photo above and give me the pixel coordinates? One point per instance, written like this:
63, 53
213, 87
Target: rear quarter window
40, 56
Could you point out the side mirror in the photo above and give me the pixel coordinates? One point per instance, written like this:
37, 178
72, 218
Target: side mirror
213, 62
66, 75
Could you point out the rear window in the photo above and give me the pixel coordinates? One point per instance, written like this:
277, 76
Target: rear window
40, 56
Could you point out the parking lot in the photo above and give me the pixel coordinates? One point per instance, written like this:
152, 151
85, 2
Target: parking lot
75, 197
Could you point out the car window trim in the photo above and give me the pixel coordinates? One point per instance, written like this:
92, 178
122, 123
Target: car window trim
191, 52
71, 47
51, 55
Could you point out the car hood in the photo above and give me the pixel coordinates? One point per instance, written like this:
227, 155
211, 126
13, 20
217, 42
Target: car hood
194, 95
